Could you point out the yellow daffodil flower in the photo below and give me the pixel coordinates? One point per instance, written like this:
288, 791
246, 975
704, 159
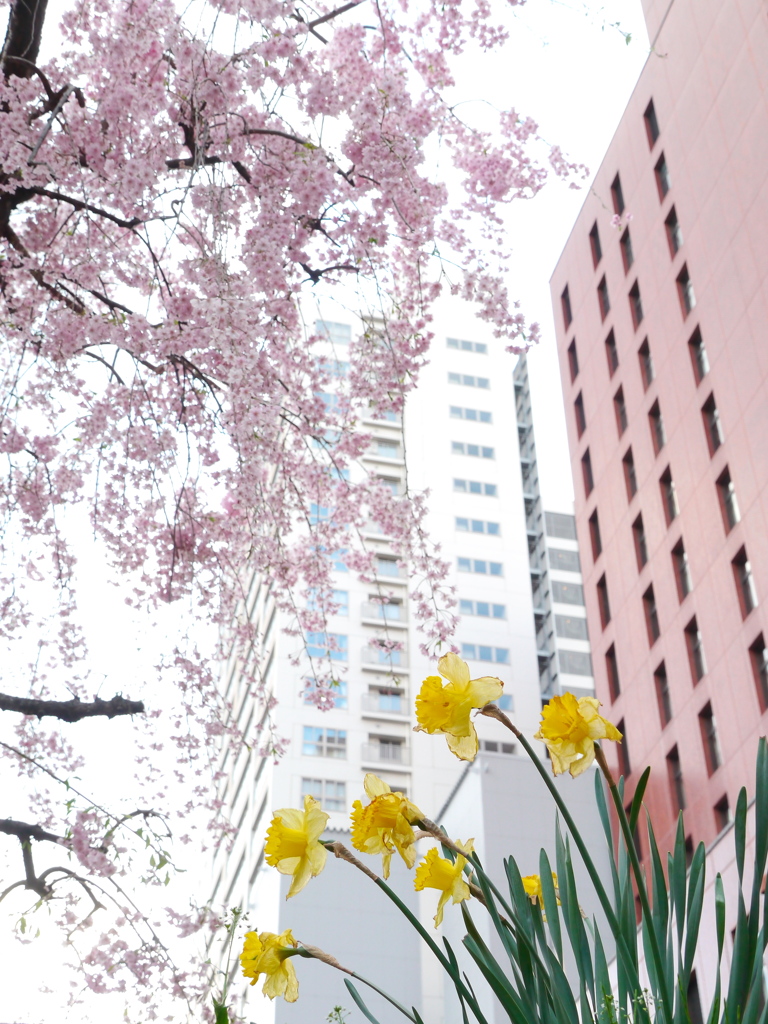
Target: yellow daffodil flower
436, 872
569, 727
268, 954
445, 707
384, 825
292, 843
532, 886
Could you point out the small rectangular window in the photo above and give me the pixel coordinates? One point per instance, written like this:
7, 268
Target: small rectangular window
571, 627
612, 671
695, 647
575, 663
573, 360
647, 372
636, 305
578, 410
332, 796
656, 423
685, 292
630, 476
698, 356
627, 256
674, 233
663, 697
722, 814
324, 742
611, 353
668, 496
567, 593
620, 411
675, 775
709, 739
651, 124
586, 470
594, 535
467, 346
663, 181
729, 506
563, 561
622, 750
594, 245
641, 546
617, 195
603, 602
745, 583
651, 616
758, 656
558, 524
565, 302
682, 571
602, 298
713, 427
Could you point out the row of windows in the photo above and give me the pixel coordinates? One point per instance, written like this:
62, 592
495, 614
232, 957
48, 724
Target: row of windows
478, 526
475, 487
469, 381
483, 652
476, 450
467, 346
458, 412
484, 609
480, 566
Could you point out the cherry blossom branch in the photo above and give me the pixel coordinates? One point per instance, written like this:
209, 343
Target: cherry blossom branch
71, 710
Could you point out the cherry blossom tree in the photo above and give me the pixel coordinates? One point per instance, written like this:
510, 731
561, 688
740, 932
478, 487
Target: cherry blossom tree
178, 182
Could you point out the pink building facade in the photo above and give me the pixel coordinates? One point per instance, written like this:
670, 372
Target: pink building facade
661, 309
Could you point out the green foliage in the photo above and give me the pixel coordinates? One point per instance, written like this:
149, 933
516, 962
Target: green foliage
540, 938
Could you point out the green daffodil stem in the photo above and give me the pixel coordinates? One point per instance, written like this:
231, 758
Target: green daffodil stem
314, 953
491, 711
638, 873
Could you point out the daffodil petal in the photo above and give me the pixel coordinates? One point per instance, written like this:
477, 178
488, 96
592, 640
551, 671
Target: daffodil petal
455, 669
374, 786
464, 747
484, 690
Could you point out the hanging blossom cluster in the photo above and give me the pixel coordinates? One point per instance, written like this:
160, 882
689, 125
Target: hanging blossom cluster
178, 183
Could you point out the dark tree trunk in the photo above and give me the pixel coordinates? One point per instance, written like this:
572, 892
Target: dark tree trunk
22, 37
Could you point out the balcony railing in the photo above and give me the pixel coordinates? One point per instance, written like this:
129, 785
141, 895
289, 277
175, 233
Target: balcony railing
385, 703
386, 659
387, 753
387, 612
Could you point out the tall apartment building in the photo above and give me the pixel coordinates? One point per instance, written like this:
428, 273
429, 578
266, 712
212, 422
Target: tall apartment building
457, 438
661, 303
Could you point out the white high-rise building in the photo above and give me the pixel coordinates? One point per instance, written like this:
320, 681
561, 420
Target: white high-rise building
459, 438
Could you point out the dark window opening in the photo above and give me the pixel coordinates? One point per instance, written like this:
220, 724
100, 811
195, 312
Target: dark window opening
602, 601
668, 496
581, 419
622, 751
729, 506
627, 256
611, 353
647, 371
713, 427
698, 356
651, 124
620, 409
722, 813
695, 647
663, 697
612, 671
682, 571
656, 423
636, 305
630, 476
709, 739
674, 233
617, 195
745, 583
602, 298
675, 775
594, 244
565, 302
586, 471
594, 535
758, 656
685, 292
651, 616
641, 545
573, 360
663, 181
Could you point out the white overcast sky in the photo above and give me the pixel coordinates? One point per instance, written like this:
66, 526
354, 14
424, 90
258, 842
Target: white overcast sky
569, 68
